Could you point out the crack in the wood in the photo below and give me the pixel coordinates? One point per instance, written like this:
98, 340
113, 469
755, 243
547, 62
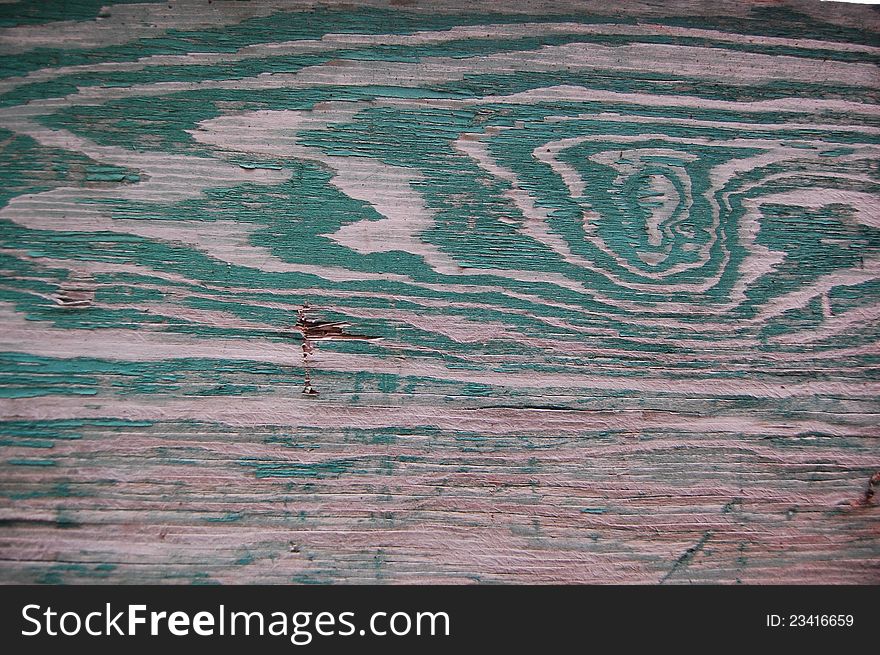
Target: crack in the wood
686, 558
77, 292
312, 331
868, 496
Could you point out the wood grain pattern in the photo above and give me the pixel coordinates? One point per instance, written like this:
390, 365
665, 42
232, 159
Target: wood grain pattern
576, 292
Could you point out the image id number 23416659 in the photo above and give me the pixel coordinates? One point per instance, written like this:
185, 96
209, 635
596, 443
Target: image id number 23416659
810, 621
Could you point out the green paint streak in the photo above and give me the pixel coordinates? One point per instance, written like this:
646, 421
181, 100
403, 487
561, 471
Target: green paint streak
31, 462
333, 468
229, 517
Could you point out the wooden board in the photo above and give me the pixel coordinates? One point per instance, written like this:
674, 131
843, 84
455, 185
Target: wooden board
439, 292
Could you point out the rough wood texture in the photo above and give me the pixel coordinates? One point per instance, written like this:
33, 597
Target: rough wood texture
579, 292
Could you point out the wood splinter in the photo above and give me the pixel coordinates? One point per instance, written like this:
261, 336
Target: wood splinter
312, 331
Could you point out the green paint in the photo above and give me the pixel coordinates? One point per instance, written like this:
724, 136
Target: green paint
31, 462
229, 517
333, 468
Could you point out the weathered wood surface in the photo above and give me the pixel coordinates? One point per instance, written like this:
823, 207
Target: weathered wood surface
588, 292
